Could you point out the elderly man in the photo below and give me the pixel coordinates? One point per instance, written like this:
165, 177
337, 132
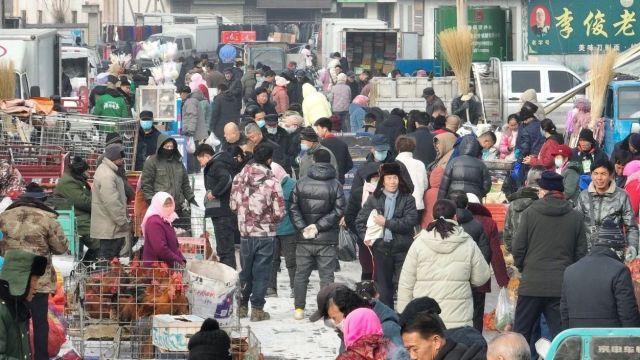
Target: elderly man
509, 346
453, 123
255, 136
232, 136
432, 100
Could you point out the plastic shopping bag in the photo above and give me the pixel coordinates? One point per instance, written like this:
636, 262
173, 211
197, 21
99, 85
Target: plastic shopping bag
374, 231
505, 311
212, 286
346, 245
191, 145
212, 140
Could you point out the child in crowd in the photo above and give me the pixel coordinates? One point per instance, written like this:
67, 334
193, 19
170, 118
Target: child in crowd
488, 141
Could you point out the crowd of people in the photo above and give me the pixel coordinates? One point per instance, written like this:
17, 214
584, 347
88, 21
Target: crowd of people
426, 243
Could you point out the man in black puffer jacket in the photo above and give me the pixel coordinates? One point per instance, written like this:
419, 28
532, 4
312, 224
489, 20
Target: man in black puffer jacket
317, 204
467, 172
392, 127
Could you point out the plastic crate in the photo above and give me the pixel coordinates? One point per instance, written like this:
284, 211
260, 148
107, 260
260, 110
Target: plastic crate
67, 220
498, 213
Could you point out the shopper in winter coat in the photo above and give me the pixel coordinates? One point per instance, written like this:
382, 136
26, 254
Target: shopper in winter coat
340, 100
30, 225
219, 171
337, 146
363, 337
508, 139
466, 172
405, 146
248, 83
109, 222
314, 106
550, 237
587, 152
18, 286
261, 99
569, 170
357, 111
193, 118
529, 140
444, 262
317, 205
310, 143
443, 145
519, 202
608, 300
603, 200
280, 96
112, 103
210, 342
425, 150
160, 240
234, 86
397, 214
471, 226
223, 111
531, 96
632, 185
393, 126
147, 139
551, 142
74, 188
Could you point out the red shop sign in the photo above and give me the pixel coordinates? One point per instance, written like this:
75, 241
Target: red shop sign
235, 37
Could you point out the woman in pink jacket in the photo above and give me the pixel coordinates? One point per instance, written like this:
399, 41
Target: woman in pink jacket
508, 139
280, 96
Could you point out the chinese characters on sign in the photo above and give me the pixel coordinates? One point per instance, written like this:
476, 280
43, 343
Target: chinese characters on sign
615, 348
574, 26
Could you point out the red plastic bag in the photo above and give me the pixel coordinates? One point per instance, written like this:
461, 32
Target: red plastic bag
57, 332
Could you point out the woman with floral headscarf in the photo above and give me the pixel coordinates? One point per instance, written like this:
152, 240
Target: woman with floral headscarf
160, 240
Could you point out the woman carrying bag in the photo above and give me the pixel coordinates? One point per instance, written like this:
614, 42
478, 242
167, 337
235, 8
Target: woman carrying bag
386, 223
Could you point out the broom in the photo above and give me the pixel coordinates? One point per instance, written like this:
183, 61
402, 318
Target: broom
7, 80
457, 46
600, 75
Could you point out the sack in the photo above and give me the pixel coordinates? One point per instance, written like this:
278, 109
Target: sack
505, 311
212, 140
346, 245
191, 145
585, 181
374, 231
212, 286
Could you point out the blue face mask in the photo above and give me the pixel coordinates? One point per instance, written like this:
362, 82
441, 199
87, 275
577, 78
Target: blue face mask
304, 147
261, 123
146, 124
380, 155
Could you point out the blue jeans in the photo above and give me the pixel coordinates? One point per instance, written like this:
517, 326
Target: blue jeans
256, 259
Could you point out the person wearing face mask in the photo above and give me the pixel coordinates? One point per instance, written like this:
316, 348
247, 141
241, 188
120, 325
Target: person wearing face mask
160, 240
255, 136
608, 300
569, 170
165, 172
309, 144
587, 152
508, 139
147, 139
272, 131
551, 141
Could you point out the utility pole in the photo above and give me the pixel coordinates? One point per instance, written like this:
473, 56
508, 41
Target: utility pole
461, 14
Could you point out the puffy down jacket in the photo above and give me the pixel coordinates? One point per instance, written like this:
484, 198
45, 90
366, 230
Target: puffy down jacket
466, 172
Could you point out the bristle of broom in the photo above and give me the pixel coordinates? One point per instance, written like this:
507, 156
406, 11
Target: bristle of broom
601, 74
457, 46
7, 80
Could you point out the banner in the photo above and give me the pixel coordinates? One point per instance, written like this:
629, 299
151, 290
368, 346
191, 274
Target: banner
237, 37
580, 26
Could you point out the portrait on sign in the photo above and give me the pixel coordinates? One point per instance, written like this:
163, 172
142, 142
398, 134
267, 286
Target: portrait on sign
540, 20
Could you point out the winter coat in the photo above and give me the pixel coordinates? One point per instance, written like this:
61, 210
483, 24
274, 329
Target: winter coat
341, 97
459, 107
108, 203
431, 105
402, 224
193, 118
484, 217
166, 174
475, 229
249, 83
391, 128
161, 243
369, 347
147, 144
445, 270
529, 140
95, 93
256, 197
457, 351
223, 111
285, 227
340, 151
390, 322
111, 104
280, 98
235, 89
314, 106
586, 159
318, 199
633, 189
354, 202
518, 202
545, 158
215, 78
78, 194
425, 151
294, 90
32, 226
466, 172
550, 237
505, 142
418, 174
431, 195
306, 160
356, 117
613, 204
218, 176
283, 140
608, 300
571, 182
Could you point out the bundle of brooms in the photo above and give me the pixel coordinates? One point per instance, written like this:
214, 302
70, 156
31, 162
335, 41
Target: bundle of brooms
457, 46
7, 80
601, 74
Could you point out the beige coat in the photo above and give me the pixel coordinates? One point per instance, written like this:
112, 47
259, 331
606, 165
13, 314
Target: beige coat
444, 270
108, 203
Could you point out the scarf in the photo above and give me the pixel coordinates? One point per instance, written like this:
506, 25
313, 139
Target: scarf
389, 210
157, 208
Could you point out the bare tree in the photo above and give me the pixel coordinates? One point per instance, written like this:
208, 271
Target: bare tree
58, 9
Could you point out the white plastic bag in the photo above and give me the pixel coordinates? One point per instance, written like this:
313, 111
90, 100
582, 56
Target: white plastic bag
191, 145
505, 311
212, 140
374, 231
212, 286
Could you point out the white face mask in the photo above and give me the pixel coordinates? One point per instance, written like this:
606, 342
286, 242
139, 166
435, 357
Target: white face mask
558, 162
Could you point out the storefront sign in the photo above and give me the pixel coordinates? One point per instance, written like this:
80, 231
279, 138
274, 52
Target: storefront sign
581, 26
237, 37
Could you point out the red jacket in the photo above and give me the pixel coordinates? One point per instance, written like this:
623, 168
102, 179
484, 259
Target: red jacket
545, 158
483, 215
370, 347
633, 189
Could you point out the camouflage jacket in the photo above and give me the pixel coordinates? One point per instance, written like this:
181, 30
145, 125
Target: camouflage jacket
256, 197
31, 226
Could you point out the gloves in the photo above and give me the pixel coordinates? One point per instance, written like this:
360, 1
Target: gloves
310, 232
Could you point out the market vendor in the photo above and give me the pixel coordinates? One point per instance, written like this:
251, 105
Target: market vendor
160, 240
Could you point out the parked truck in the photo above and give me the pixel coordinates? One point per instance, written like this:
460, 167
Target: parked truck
368, 44
35, 54
501, 85
203, 38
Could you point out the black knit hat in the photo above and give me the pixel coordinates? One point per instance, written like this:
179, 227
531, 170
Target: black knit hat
112, 138
114, 152
551, 181
308, 134
610, 235
78, 165
528, 110
34, 190
586, 134
210, 342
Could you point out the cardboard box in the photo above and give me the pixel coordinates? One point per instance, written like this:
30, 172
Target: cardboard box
172, 333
